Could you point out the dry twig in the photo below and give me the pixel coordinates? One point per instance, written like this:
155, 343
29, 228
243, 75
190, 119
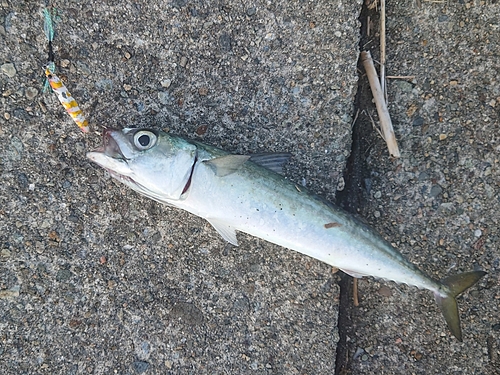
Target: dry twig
383, 112
409, 78
382, 49
355, 119
355, 299
374, 125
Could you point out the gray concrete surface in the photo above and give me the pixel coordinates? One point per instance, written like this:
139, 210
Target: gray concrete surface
440, 202
94, 278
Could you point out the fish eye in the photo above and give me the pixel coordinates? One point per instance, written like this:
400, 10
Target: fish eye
144, 139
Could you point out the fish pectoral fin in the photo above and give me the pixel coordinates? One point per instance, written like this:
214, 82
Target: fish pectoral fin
225, 165
225, 230
357, 275
271, 161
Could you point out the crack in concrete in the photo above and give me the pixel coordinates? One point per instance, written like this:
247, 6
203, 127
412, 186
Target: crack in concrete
352, 197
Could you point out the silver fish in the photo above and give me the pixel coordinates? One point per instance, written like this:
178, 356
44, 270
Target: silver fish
244, 193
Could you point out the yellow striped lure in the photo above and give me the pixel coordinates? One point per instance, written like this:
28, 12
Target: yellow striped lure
69, 103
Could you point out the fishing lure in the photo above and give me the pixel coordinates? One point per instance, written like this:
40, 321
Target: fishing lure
67, 100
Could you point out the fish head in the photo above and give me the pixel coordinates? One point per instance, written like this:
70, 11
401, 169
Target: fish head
151, 162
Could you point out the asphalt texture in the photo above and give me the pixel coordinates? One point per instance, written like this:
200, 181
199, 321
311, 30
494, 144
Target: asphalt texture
95, 279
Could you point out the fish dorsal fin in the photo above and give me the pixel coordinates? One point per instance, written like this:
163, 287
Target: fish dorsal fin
225, 230
270, 160
225, 165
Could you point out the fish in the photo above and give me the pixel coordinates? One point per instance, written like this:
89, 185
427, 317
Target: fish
247, 193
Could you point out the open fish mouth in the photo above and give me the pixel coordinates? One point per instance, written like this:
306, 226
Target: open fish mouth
109, 145
110, 155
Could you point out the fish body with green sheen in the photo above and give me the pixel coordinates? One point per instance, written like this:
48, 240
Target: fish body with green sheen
245, 193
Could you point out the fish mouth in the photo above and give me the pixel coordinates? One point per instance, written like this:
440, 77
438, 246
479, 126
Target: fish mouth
109, 145
111, 155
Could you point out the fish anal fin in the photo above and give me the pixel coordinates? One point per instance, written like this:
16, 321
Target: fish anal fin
225, 230
271, 161
225, 165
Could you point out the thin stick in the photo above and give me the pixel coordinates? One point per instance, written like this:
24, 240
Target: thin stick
382, 49
355, 299
383, 112
355, 118
410, 78
375, 126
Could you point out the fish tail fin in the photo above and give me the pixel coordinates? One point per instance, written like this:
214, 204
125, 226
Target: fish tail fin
454, 286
